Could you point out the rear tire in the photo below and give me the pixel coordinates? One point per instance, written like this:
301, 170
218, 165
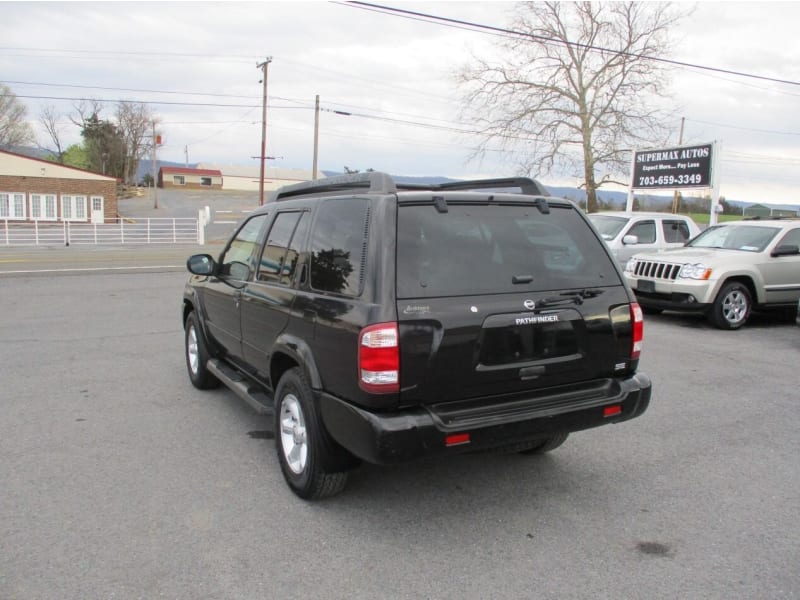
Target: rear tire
300, 442
197, 356
732, 306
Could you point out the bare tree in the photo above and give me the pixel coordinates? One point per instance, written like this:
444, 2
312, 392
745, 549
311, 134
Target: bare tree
49, 118
14, 129
577, 88
135, 121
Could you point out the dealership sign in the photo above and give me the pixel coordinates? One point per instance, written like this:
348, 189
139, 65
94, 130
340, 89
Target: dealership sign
684, 167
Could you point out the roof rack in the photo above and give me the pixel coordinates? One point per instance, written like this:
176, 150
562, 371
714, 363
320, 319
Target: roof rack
375, 182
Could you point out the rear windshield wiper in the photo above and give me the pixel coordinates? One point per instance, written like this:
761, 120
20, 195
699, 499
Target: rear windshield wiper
575, 297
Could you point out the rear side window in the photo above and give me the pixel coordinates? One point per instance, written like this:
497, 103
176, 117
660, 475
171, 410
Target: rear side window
338, 246
675, 231
488, 249
273, 264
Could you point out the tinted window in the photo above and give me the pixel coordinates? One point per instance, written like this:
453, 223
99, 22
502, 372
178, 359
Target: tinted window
675, 231
295, 248
240, 252
338, 246
272, 258
486, 249
645, 231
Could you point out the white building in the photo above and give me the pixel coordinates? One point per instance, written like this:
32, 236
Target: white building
246, 178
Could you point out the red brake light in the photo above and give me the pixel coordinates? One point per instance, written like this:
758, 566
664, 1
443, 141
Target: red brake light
637, 320
379, 358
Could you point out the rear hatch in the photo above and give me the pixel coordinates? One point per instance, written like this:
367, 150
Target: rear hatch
499, 296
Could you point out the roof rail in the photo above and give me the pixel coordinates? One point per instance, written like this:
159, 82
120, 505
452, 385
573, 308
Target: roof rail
528, 186
375, 182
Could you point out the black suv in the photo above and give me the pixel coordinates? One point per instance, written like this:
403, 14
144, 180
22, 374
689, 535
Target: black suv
381, 321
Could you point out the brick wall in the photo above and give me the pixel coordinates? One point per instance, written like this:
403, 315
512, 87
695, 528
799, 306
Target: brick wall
52, 185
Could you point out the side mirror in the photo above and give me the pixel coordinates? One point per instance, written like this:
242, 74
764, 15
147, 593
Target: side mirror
201, 264
630, 240
786, 250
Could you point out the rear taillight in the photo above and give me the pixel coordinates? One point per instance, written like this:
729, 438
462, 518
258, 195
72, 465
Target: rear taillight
637, 320
379, 359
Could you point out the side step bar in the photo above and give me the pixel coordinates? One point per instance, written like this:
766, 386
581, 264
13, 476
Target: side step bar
260, 401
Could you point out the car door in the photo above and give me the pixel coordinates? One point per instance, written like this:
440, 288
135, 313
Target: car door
222, 292
645, 231
267, 300
782, 273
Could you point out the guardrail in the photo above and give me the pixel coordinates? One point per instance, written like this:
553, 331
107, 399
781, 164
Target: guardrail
120, 231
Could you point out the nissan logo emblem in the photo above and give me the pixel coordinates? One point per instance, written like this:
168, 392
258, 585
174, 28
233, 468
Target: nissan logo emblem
529, 304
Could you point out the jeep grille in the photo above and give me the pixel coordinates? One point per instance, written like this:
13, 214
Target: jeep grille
656, 270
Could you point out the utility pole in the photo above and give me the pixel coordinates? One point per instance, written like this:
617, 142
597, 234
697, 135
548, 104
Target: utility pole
675, 193
316, 138
264, 71
155, 181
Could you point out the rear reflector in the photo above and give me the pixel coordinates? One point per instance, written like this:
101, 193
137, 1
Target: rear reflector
456, 439
379, 359
637, 320
612, 411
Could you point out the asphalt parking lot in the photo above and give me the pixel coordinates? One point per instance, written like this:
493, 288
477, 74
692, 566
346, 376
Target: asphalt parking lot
120, 480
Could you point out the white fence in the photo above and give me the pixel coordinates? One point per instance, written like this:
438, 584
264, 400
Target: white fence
120, 231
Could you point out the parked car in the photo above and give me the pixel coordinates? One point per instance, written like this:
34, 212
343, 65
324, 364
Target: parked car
383, 322
628, 233
724, 273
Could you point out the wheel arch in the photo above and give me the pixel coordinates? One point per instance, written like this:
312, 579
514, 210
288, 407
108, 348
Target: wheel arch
290, 351
745, 280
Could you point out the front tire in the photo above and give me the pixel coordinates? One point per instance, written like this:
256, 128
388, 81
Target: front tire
732, 306
197, 356
299, 440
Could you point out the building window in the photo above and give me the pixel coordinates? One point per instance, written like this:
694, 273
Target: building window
43, 207
97, 204
12, 205
73, 208
50, 207
178, 180
205, 181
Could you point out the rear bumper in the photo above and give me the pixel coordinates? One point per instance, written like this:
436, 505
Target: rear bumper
384, 438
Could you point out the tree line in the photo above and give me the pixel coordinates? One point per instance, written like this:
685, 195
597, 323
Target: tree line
110, 145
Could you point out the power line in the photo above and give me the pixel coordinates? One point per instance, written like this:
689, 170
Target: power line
510, 32
770, 131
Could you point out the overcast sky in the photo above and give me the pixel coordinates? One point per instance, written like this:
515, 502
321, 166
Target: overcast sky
394, 75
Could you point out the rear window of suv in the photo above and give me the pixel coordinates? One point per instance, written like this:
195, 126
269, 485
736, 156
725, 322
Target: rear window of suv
496, 248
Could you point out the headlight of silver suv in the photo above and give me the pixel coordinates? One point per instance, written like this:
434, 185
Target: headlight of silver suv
695, 271
630, 266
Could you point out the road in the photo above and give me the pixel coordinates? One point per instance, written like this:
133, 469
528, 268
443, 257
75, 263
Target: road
120, 480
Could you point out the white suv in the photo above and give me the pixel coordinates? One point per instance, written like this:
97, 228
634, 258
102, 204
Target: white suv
627, 233
724, 272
